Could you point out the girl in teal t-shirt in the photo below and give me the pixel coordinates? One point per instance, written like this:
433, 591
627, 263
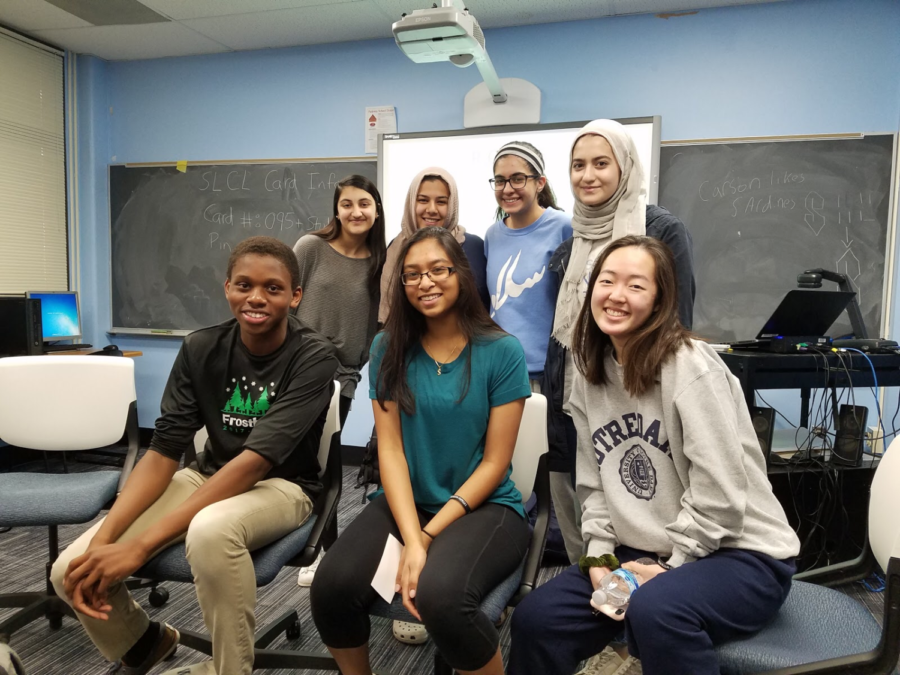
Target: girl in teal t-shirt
449, 387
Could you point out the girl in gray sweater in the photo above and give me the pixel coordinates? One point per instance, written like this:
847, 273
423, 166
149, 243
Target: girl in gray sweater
668, 468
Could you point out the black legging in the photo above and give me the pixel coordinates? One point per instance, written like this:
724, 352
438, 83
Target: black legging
465, 562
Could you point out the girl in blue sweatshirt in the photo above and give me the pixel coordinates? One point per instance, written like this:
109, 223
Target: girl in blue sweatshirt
529, 228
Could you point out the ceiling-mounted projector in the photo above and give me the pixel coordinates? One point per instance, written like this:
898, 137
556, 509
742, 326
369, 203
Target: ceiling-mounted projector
447, 33
440, 34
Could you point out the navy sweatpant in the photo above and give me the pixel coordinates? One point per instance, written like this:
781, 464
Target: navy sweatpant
673, 621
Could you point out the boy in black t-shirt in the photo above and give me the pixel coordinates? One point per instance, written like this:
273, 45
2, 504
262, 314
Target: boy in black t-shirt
260, 383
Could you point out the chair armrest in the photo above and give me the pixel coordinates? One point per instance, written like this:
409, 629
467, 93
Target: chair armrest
843, 572
132, 435
538, 535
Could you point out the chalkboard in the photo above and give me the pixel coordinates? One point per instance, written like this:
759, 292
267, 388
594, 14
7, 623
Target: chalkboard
762, 212
171, 232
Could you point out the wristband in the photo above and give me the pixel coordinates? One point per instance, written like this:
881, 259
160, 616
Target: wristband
430, 536
462, 502
586, 562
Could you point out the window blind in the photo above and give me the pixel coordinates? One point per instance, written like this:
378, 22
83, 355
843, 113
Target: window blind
33, 240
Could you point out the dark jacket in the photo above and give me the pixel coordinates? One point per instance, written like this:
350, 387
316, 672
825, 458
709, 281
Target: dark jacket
668, 229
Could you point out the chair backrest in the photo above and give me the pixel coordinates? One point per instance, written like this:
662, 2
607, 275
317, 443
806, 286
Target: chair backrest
884, 507
332, 426
531, 444
65, 402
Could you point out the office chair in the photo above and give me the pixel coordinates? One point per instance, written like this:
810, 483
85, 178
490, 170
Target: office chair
821, 630
59, 403
296, 549
530, 474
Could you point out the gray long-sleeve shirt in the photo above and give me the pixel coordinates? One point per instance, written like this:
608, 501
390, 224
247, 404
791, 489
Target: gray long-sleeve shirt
677, 471
337, 304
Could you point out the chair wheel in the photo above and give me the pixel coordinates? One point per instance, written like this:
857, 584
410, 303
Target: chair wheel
158, 596
293, 631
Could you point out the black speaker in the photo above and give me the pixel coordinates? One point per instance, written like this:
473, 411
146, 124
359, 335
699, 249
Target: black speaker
850, 436
764, 426
21, 330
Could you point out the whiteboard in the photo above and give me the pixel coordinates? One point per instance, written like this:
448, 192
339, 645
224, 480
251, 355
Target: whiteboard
469, 154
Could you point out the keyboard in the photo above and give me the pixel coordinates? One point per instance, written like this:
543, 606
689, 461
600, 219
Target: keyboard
750, 344
66, 348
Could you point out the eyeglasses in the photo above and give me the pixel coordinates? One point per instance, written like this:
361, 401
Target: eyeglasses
517, 180
435, 274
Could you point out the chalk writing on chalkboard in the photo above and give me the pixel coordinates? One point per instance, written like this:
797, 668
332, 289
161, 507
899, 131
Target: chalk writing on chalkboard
762, 212
171, 232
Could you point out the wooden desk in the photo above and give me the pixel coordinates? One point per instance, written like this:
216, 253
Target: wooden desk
90, 352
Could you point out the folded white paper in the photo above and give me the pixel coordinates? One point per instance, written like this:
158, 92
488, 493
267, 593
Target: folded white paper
386, 575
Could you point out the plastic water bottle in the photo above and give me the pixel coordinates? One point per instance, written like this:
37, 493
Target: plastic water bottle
614, 592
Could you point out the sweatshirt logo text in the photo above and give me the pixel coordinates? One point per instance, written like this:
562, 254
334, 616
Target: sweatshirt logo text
609, 436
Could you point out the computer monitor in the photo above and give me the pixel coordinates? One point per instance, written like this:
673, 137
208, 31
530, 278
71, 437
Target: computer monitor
60, 314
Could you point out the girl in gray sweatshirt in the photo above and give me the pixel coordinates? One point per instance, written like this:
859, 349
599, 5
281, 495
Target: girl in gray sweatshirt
668, 468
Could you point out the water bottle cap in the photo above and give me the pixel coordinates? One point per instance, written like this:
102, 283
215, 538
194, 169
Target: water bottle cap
599, 597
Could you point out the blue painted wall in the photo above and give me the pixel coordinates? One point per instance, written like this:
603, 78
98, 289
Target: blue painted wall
803, 67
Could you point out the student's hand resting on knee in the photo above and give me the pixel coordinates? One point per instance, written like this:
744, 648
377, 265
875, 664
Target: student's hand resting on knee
412, 560
89, 602
90, 575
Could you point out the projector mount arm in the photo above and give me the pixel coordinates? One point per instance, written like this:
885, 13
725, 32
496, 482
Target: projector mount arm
484, 65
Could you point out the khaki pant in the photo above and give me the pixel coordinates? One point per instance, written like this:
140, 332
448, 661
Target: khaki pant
218, 543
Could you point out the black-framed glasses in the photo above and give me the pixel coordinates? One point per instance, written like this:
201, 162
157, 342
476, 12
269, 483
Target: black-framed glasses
435, 274
517, 180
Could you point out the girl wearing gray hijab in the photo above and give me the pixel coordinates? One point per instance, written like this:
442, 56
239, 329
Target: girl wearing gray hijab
607, 180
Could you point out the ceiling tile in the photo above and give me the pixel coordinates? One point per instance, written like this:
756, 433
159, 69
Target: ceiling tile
621, 7
196, 9
209, 26
289, 27
29, 15
105, 13
146, 41
500, 13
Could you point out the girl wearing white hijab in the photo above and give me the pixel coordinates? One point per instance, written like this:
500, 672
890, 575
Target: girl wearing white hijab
607, 180
433, 201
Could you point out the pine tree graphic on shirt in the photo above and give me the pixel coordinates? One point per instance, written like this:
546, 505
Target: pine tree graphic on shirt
241, 409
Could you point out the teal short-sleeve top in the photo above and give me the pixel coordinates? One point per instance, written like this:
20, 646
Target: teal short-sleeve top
444, 439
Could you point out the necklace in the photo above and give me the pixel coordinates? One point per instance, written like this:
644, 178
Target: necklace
449, 358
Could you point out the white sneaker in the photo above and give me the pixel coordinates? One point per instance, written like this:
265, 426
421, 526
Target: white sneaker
202, 668
410, 633
606, 662
305, 578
